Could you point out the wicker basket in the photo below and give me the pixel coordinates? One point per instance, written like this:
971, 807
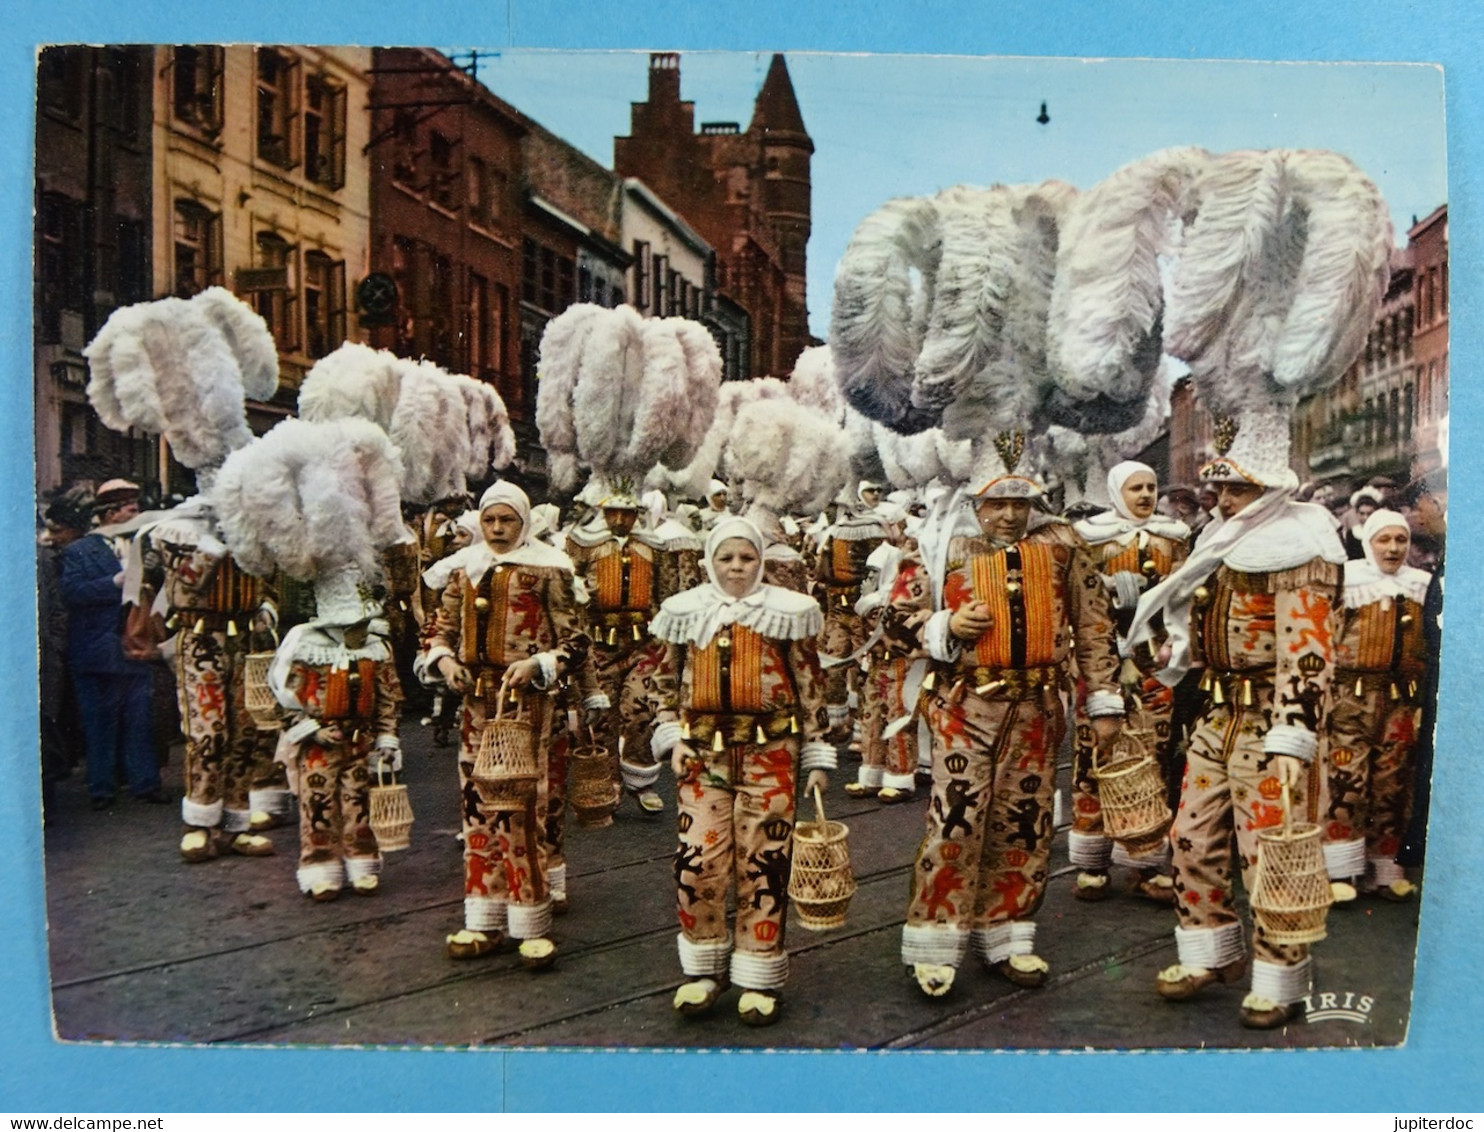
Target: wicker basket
505, 766
592, 789
1290, 892
1131, 790
261, 703
821, 884
391, 815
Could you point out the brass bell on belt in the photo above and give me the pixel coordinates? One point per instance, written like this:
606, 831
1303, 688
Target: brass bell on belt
231, 628
929, 681
716, 741
1359, 686
481, 603
1201, 595
1218, 694
793, 725
1247, 698
200, 626
723, 642
637, 635
612, 636
1012, 588
760, 736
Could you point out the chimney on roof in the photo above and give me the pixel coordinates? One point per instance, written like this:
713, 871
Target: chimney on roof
664, 77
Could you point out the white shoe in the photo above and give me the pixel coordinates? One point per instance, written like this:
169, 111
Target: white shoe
934, 979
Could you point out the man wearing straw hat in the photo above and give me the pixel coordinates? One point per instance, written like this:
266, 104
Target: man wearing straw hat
1256, 602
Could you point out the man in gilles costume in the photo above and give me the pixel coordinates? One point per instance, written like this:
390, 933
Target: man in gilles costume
1018, 601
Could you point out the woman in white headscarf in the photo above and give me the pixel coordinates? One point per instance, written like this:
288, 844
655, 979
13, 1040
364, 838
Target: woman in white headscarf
742, 716
1135, 547
1380, 661
507, 630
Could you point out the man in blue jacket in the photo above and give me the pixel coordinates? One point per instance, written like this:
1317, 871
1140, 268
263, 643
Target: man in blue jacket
113, 692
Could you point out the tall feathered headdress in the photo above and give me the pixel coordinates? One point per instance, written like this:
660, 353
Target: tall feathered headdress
318, 501
964, 349
1280, 274
447, 428
620, 394
786, 459
169, 367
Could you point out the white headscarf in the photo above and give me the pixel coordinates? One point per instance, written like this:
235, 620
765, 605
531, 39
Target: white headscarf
1271, 533
1366, 582
1121, 524
476, 559
697, 615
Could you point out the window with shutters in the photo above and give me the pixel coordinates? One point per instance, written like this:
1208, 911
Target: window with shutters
661, 270
641, 274
61, 279
60, 81
273, 293
196, 87
277, 110
324, 131
324, 303
198, 256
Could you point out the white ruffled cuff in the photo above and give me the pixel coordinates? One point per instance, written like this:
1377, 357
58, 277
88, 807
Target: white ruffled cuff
816, 755
665, 736
704, 958
321, 872
598, 701
425, 665
939, 642
1090, 851
1104, 703
870, 776
1344, 860
637, 776
752, 971
485, 913
942, 945
236, 821
386, 758
529, 921
1281, 983
201, 815
548, 674
358, 867
301, 730
1209, 948
1290, 739
998, 942
907, 783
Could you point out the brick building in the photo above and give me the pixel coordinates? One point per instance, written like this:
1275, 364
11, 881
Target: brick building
447, 218
92, 239
747, 194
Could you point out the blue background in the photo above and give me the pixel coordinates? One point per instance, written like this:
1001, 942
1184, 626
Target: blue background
1438, 1068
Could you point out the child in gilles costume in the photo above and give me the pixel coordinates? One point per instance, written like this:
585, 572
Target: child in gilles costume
319, 502
507, 626
742, 717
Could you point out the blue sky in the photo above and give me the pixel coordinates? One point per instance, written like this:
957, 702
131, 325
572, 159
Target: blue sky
894, 125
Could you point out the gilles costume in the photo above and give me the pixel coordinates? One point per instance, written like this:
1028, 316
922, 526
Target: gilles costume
996, 713
888, 765
494, 610
223, 613
840, 571
626, 578
1132, 554
1256, 602
1381, 664
742, 687
324, 682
